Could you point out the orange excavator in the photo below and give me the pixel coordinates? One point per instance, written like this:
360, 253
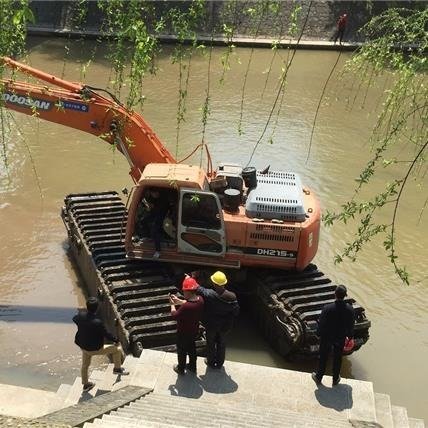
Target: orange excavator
236, 218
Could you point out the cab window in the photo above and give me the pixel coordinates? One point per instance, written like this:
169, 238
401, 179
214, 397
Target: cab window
201, 211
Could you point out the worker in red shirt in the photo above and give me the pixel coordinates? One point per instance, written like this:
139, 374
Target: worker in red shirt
341, 27
187, 316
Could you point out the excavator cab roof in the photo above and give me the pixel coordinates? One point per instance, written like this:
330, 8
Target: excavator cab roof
178, 175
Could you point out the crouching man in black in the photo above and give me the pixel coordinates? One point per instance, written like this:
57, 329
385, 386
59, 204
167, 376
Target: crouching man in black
90, 338
335, 324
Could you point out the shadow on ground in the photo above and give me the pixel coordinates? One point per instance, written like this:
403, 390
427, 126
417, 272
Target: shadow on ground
212, 381
338, 398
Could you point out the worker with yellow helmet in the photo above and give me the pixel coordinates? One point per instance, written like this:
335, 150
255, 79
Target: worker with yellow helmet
220, 309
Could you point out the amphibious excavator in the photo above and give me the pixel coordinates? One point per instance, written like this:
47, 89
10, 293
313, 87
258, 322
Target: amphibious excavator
261, 227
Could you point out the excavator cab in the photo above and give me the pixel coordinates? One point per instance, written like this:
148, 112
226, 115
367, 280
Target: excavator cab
173, 208
185, 220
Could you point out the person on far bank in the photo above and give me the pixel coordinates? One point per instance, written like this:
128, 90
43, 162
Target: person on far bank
341, 27
336, 323
220, 309
188, 316
90, 336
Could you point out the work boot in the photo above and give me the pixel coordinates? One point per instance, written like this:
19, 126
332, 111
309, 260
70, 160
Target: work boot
190, 368
336, 381
120, 371
315, 378
212, 366
88, 386
178, 369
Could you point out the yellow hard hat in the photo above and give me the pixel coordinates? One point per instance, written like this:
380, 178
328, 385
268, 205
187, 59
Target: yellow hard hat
219, 278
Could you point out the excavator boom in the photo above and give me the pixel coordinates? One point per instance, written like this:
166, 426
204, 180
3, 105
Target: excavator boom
81, 107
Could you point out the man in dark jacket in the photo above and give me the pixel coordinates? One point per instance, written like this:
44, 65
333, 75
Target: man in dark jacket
90, 336
220, 309
335, 324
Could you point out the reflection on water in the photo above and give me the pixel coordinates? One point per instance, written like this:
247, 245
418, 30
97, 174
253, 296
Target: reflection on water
36, 314
39, 288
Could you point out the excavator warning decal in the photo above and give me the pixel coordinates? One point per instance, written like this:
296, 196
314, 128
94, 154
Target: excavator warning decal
23, 101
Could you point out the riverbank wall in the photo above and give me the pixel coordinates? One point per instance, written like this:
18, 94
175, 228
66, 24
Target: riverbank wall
223, 20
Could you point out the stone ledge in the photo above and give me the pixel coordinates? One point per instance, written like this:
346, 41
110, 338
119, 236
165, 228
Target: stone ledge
241, 41
91, 409
13, 422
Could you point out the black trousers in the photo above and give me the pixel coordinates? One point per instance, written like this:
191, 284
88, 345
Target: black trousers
216, 347
155, 219
339, 35
186, 346
326, 346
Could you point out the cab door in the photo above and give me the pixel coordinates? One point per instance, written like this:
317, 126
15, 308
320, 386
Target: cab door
200, 224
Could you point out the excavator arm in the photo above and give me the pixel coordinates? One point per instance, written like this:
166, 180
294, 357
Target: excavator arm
81, 107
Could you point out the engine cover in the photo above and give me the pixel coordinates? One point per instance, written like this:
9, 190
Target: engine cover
278, 195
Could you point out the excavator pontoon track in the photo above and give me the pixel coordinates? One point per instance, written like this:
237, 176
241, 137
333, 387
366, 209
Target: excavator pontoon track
287, 306
133, 293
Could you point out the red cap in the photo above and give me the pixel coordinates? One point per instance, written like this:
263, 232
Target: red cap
189, 284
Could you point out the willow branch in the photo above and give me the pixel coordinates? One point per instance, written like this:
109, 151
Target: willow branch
393, 225
280, 87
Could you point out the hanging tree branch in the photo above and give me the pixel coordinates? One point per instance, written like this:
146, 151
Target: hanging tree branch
396, 44
282, 83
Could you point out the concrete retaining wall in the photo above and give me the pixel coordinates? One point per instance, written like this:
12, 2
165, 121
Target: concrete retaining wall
62, 15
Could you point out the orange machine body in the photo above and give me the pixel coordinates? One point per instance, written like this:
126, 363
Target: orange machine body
235, 240
201, 228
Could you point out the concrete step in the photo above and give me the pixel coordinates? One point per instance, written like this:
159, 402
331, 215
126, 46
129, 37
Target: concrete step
383, 410
126, 423
129, 364
96, 376
112, 381
295, 391
399, 417
180, 410
171, 421
241, 410
183, 416
416, 423
63, 391
204, 414
77, 415
362, 398
75, 393
263, 419
94, 423
17, 401
189, 419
